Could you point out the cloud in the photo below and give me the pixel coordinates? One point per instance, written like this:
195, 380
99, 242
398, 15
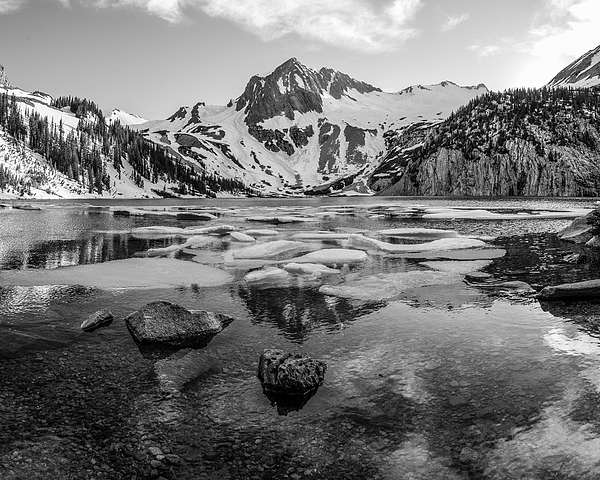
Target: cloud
373, 26
347, 23
452, 21
483, 51
9, 6
562, 31
565, 27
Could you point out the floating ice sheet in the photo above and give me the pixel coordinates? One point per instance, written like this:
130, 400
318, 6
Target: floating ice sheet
320, 236
418, 233
387, 285
262, 232
241, 237
441, 244
316, 269
273, 249
133, 272
332, 256
480, 214
268, 275
457, 266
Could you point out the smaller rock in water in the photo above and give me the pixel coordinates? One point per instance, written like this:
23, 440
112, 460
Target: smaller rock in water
101, 318
289, 380
589, 289
290, 373
170, 324
478, 277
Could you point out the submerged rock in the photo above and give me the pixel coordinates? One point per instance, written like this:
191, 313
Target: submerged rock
289, 373
183, 367
513, 286
589, 288
173, 325
98, 319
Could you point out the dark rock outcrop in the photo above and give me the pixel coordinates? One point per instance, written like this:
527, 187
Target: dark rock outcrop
168, 324
101, 318
587, 289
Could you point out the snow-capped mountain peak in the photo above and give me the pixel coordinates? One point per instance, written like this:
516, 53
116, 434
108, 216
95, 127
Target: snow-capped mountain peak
583, 72
298, 127
125, 118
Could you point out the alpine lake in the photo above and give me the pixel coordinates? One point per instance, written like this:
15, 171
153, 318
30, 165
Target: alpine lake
429, 375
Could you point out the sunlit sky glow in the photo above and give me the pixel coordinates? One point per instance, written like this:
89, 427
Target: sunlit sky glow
151, 56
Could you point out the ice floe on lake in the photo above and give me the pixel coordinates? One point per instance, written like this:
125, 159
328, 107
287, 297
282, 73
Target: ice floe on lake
261, 232
129, 273
418, 233
315, 269
500, 214
271, 250
459, 267
361, 241
384, 286
332, 256
268, 275
241, 237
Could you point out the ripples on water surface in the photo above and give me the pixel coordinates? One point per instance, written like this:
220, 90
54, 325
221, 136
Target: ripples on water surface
436, 381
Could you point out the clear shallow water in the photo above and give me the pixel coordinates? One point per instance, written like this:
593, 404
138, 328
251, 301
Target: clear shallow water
445, 381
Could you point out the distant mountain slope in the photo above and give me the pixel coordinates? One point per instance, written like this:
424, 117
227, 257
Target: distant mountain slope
124, 118
583, 72
542, 142
296, 128
65, 147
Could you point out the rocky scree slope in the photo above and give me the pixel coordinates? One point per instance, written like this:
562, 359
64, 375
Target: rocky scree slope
296, 128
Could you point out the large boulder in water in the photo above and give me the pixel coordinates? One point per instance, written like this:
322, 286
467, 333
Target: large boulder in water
289, 373
587, 289
584, 230
165, 323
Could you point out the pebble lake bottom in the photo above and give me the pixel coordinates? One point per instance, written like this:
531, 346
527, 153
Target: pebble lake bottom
426, 379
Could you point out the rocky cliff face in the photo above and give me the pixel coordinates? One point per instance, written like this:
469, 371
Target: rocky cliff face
520, 171
524, 142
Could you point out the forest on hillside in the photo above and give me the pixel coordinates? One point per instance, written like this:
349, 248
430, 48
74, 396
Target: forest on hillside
82, 153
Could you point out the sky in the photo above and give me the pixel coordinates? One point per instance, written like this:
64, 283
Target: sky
149, 57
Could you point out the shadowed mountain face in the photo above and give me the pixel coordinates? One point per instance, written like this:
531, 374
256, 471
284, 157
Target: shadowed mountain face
583, 72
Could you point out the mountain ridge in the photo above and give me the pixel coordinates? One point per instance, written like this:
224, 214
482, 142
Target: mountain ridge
297, 127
